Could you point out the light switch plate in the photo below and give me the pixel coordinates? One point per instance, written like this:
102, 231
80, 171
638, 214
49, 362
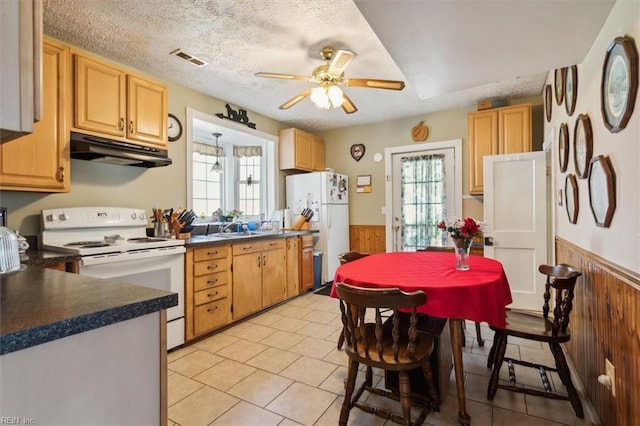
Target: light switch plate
611, 372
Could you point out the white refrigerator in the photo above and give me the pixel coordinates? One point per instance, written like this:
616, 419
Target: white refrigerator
326, 194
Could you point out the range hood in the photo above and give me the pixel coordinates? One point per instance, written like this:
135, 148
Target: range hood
102, 150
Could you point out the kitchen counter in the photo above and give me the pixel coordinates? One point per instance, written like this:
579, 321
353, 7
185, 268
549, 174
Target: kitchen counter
234, 237
45, 258
40, 305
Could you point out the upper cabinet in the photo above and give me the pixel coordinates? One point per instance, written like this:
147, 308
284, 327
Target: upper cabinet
112, 102
301, 151
40, 161
21, 85
497, 131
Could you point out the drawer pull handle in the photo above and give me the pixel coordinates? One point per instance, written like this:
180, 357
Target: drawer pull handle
212, 281
212, 295
212, 266
212, 253
212, 310
246, 248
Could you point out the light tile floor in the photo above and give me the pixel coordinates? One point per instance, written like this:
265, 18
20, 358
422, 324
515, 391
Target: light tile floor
282, 368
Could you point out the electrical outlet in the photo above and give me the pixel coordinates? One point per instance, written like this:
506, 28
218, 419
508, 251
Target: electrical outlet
611, 372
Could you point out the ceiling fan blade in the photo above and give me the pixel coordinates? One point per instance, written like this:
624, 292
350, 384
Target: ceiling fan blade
375, 84
283, 76
348, 105
295, 100
339, 61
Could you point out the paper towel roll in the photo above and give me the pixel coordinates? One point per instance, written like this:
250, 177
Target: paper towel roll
287, 218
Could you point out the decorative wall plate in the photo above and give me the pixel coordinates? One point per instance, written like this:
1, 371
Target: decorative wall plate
548, 100
619, 83
563, 147
559, 83
602, 190
357, 151
582, 145
419, 132
571, 197
571, 89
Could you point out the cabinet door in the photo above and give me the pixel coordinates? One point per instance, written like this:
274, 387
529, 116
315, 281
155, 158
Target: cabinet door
40, 161
514, 133
293, 266
247, 284
483, 140
317, 153
100, 97
302, 150
147, 111
274, 283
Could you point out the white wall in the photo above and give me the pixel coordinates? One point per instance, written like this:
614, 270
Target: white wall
620, 243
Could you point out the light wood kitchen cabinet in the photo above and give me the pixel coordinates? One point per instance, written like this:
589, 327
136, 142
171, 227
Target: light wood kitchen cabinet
112, 102
306, 263
293, 266
300, 150
259, 275
40, 161
504, 130
207, 290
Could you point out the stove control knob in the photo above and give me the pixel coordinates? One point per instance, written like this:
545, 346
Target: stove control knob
133, 215
49, 217
63, 216
141, 216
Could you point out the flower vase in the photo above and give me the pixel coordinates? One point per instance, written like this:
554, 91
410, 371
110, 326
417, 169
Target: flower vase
462, 248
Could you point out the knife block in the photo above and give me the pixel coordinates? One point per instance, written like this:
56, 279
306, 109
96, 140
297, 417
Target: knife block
300, 223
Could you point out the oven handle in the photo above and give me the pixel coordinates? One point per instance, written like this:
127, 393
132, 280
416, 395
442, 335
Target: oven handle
99, 259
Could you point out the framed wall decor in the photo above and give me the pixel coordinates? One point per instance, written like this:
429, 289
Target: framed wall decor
559, 83
619, 83
571, 197
357, 151
571, 89
582, 145
602, 190
548, 100
563, 147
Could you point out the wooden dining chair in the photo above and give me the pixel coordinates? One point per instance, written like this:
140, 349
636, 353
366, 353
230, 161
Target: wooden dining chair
478, 332
343, 258
390, 345
561, 280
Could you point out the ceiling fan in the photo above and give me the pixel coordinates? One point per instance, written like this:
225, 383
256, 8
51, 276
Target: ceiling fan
328, 77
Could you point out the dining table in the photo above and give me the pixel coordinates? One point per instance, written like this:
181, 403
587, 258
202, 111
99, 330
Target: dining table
480, 293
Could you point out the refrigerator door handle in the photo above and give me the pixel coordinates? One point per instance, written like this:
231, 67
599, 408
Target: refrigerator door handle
328, 218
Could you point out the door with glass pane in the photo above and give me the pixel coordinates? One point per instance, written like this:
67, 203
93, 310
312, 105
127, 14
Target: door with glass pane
423, 187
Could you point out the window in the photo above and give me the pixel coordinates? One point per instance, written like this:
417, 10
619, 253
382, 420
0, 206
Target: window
248, 162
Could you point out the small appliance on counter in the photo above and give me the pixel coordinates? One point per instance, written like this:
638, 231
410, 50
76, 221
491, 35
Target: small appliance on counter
9, 255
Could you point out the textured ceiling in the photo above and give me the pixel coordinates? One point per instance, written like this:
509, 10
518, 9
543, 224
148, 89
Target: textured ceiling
450, 53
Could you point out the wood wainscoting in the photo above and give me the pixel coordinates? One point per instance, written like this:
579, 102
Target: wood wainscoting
605, 324
367, 238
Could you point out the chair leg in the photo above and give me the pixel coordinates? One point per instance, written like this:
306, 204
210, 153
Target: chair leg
492, 351
433, 392
479, 335
341, 340
405, 397
565, 376
348, 392
500, 343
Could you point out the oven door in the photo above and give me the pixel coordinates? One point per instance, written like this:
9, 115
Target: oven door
160, 268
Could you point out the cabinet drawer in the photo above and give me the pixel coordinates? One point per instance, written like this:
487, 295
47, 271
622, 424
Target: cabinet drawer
202, 268
208, 253
246, 248
210, 295
211, 316
210, 280
280, 243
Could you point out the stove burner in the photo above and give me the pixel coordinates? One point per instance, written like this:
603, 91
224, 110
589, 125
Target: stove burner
145, 240
87, 244
95, 244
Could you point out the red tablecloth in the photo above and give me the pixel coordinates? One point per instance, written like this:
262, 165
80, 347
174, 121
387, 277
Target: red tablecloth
479, 294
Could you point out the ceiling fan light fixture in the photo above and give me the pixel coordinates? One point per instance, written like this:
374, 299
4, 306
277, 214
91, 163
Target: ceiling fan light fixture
327, 97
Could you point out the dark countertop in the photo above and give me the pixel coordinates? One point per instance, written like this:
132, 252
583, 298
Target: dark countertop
231, 238
39, 305
44, 257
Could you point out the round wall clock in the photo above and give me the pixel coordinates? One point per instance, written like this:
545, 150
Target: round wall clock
559, 83
571, 89
619, 83
582, 145
563, 147
174, 128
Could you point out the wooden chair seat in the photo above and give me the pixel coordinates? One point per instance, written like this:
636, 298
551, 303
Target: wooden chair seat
561, 280
388, 343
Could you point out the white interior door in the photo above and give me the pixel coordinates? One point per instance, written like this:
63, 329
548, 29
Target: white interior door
449, 196
516, 213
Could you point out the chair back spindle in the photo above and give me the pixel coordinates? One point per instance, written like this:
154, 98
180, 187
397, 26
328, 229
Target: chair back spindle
562, 278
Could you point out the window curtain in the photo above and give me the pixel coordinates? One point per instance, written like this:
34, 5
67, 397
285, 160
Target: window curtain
247, 151
206, 149
423, 201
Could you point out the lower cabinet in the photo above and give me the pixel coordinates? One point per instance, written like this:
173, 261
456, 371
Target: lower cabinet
207, 290
306, 263
293, 266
